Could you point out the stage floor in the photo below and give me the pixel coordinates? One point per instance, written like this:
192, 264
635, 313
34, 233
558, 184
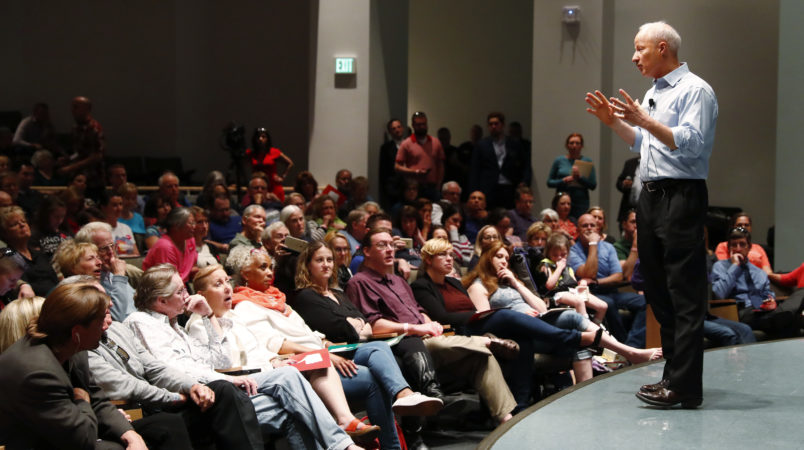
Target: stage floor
753, 398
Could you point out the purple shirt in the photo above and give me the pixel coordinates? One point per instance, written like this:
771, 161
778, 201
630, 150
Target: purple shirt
520, 224
380, 296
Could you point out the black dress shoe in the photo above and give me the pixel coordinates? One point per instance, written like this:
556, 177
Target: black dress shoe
665, 383
665, 398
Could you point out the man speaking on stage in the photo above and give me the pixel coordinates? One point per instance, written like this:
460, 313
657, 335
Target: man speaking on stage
673, 130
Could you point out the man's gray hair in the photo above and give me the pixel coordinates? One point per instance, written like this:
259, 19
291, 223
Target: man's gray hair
251, 209
269, 230
448, 184
39, 156
549, 212
287, 211
162, 177
87, 231
661, 31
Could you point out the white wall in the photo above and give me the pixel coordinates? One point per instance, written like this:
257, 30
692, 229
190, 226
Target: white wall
467, 58
789, 136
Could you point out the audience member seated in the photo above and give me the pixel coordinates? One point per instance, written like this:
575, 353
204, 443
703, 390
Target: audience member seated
485, 237
323, 212
498, 217
29, 199
461, 246
157, 209
748, 284
74, 202
558, 285
10, 184
263, 157
5, 199
326, 309
627, 251
307, 186
126, 370
77, 258
475, 216
169, 189
371, 208
45, 173
114, 271
49, 229
756, 255
595, 261
12, 267
177, 246
450, 194
493, 285
295, 199
293, 218
409, 228
562, 204
536, 238
258, 193
36, 131
521, 217
111, 205
388, 304
273, 240
5, 161
342, 255
355, 228
600, 216
253, 224
410, 192
162, 297
207, 254
224, 224
15, 317
214, 185
446, 301
61, 407
16, 233
262, 317
358, 194
382, 220
549, 217
343, 182
424, 208
129, 214
566, 177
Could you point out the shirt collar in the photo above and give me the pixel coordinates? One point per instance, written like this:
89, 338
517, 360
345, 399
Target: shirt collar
672, 78
377, 276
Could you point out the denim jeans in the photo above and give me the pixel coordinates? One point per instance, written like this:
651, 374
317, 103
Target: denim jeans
727, 332
286, 403
632, 302
377, 382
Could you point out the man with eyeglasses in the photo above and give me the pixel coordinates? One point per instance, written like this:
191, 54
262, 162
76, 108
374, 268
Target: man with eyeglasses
595, 260
737, 278
421, 158
114, 278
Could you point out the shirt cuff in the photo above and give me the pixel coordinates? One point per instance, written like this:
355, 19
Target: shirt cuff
637, 140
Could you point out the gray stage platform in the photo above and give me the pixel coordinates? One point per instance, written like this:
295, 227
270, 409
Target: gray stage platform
753, 398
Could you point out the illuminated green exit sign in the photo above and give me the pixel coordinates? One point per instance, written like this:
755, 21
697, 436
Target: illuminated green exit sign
345, 65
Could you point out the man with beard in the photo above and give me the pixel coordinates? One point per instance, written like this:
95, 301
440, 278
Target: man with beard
421, 158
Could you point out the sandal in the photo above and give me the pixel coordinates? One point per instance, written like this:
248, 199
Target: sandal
366, 433
502, 348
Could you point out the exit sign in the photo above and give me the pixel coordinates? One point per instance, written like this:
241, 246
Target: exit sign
345, 65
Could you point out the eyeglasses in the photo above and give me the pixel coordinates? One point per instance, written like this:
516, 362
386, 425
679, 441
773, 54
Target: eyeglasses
106, 248
383, 245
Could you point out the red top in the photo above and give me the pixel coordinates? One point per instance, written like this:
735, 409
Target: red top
267, 164
455, 300
795, 277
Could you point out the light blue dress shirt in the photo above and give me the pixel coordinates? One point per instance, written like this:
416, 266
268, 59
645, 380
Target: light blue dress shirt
687, 104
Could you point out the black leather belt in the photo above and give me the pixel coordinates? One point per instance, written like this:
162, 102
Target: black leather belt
666, 183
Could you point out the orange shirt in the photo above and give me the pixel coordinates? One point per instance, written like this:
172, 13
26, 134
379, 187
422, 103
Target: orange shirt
756, 255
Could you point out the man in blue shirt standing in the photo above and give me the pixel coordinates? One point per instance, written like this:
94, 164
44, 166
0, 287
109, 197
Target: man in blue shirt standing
673, 130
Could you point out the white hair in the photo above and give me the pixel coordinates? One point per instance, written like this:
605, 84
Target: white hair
661, 31
251, 209
549, 212
86, 232
241, 257
269, 230
287, 211
166, 174
447, 185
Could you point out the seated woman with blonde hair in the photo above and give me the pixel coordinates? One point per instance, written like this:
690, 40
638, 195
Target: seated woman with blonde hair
77, 258
493, 285
15, 317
